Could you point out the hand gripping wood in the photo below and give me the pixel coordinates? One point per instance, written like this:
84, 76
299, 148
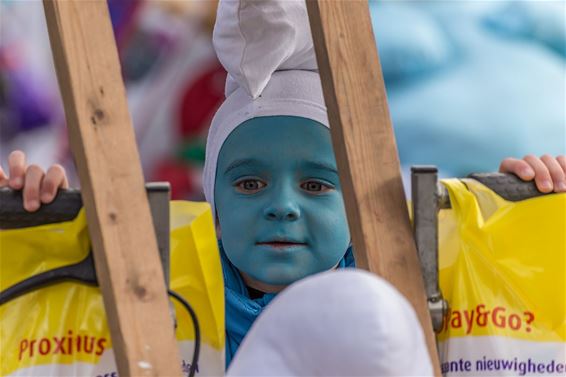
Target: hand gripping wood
366, 151
112, 185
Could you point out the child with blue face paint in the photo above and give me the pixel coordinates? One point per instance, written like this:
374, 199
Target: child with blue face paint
280, 213
271, 177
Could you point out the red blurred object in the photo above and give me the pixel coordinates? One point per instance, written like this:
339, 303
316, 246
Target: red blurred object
200, 101
178, 174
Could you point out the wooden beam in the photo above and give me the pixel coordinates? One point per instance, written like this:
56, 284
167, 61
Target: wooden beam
112, 185
366, 151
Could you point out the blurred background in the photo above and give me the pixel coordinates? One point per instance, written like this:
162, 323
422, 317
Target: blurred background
468, 83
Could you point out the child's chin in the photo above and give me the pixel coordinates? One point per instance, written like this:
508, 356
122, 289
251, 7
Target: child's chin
284, 276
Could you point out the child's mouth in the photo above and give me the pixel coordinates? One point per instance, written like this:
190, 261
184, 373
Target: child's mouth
281, 244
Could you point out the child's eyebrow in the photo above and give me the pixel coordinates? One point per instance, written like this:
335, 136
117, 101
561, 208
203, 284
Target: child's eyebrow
241, 162
321, 165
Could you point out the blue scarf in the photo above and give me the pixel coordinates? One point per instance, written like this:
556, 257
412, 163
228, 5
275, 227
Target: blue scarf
241, 310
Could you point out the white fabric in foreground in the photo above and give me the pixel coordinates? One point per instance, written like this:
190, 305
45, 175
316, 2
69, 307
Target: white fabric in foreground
337, 323
267, 49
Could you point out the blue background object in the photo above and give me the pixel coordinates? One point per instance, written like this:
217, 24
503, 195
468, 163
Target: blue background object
470, 83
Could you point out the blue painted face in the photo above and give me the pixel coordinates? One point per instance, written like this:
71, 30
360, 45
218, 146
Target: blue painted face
279, 201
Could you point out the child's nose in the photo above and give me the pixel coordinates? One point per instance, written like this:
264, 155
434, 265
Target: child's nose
282, 211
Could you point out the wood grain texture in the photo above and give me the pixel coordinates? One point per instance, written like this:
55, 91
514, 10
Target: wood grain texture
120, 225
366, 151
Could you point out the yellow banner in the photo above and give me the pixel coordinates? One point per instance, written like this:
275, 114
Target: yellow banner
54, 328
503, 264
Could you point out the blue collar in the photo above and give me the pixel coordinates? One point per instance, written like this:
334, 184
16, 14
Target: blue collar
241, 310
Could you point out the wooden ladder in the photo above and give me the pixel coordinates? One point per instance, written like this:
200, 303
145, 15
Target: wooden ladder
104, 148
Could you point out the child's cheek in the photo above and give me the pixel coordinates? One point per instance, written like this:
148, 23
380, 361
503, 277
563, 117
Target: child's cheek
330, 233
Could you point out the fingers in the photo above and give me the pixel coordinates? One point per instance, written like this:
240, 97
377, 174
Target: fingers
38, 187
543, 178
548, 172
17, 169
41, 187
518, 167
54, 179
557, 174
33, 179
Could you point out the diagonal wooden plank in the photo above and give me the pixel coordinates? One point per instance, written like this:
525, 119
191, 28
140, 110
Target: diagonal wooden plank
366, 151
103, 144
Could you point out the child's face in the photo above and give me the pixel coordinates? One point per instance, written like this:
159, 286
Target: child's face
279, 201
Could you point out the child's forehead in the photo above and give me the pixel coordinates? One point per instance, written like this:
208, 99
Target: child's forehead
268, 163
269, 140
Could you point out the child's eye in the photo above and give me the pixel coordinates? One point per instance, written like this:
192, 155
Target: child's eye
315, 187
249, 186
